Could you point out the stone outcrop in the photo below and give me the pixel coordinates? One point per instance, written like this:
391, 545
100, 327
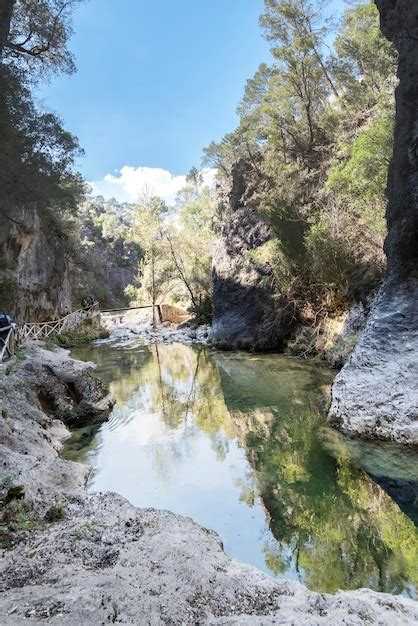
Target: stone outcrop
246, 313
66, 390
34, 276
30, 437
376, 393
109, 562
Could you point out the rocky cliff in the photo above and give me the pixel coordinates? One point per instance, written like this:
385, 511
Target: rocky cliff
376, 393
105, 260
247, 314
34, 280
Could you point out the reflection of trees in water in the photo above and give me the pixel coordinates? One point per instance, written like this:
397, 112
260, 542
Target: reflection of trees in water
333, 525
183, 386
179, 384
176, 400
120, 369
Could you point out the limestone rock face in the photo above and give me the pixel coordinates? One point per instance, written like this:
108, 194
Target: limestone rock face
376, 393
109, 562
399, 22
34, 278
246, 314
66, 389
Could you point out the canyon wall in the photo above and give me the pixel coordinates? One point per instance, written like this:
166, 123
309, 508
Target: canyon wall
102, 268
247, 312
34, 277
376, 393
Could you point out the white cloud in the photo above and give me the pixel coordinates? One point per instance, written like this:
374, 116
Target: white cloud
128, 183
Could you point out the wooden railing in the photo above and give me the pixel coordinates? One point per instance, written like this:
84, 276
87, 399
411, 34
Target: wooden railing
7, 342
42, 330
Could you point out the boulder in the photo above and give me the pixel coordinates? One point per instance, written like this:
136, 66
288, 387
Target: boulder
67, 390
108, 562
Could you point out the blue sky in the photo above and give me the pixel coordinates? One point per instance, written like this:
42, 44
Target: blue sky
156, 82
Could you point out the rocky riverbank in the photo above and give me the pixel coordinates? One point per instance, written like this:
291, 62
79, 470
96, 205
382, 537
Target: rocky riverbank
77, 558
136, 326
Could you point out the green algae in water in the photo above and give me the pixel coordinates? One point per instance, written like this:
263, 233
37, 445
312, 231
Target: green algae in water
238, 442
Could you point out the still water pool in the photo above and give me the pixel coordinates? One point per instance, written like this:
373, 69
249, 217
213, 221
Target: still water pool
238, 442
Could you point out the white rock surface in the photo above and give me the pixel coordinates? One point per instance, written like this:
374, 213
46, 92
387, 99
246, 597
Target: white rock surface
376, 393
139, 327
109, 562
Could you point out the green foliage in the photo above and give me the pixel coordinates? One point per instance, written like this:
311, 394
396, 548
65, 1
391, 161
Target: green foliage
84, 333
20, 354
38, 36
36, 159
329, 254
105, 255
360, 178
149, 231
366, 62
366, 169
15, 514
316, 130
177, 246
56, 513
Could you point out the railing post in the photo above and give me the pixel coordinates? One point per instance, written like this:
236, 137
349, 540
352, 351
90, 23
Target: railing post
7, 344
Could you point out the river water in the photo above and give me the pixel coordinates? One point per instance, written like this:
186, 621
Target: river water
239, 443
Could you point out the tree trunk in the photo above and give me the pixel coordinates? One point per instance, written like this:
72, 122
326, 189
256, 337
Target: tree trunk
376, 393
6, 12
154, 324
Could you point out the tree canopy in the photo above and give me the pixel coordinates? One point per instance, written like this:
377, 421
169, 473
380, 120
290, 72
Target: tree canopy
316, 129
34, 35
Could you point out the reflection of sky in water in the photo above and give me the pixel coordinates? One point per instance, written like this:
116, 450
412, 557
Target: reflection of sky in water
205, 436
177, 469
